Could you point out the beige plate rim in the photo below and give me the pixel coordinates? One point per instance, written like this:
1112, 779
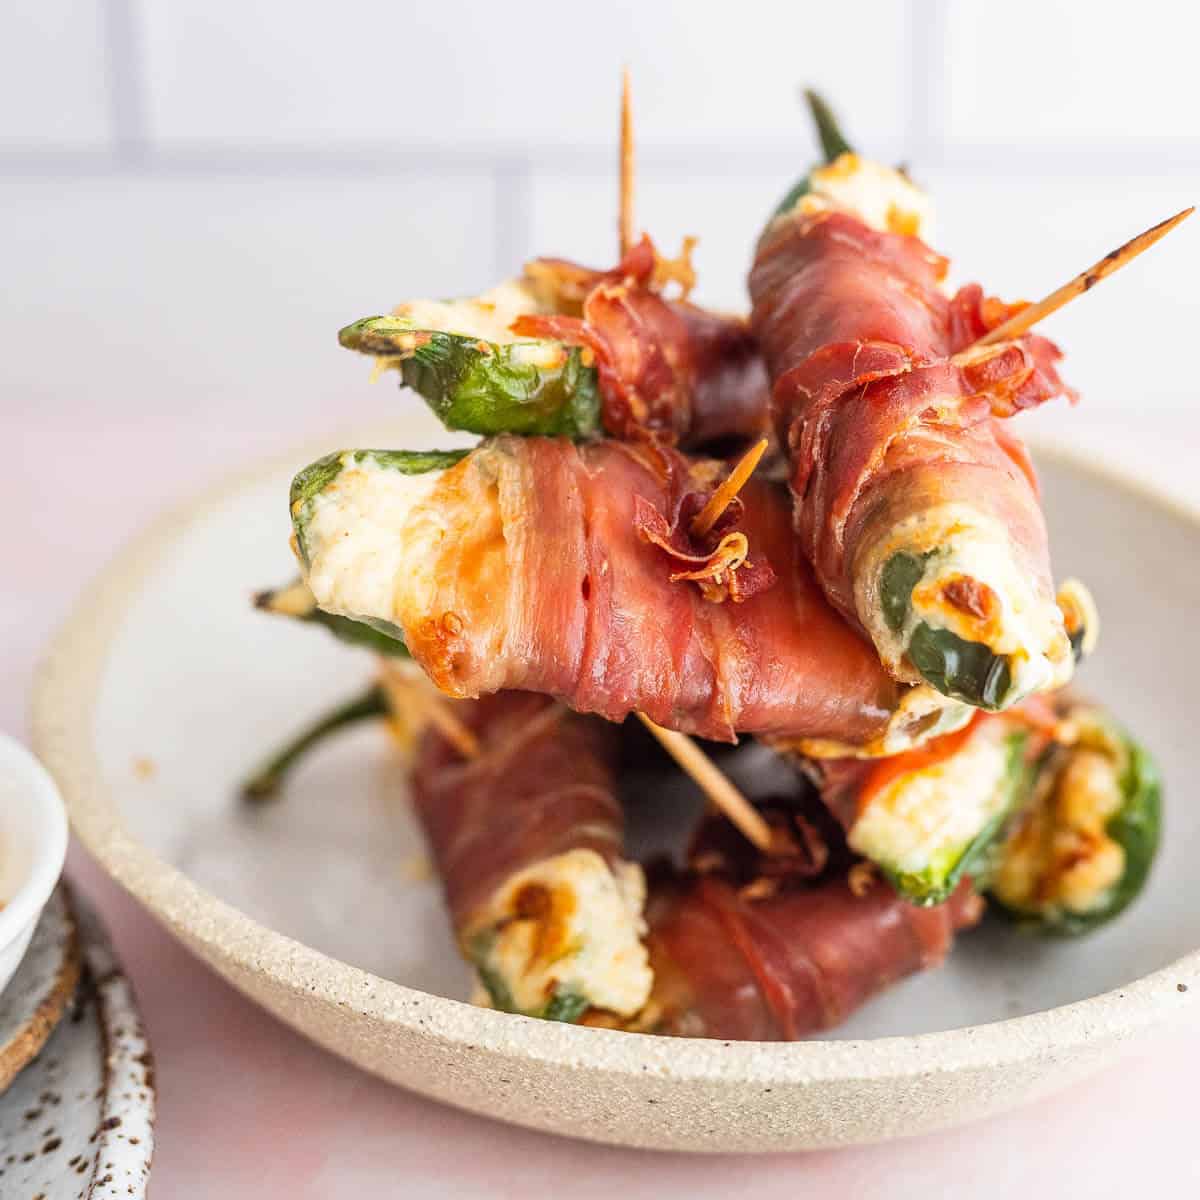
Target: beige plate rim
65, 690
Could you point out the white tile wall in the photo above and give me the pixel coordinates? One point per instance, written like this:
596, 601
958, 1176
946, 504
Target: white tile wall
575, 215
1024, 236
255, 172
525, 75
54, 87
187, 301
1077, 75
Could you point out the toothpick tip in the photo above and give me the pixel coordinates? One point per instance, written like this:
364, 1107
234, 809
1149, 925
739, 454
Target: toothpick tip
720, 500
1124, 254
1163, 227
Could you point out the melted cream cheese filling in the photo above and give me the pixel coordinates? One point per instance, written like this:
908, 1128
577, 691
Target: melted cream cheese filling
927, 818
486, 317
1025, 627
587, 941
1061, 856
372, 539
879, 196
923, 713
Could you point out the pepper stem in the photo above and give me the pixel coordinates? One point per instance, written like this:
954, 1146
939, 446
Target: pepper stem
833, 143
265, 783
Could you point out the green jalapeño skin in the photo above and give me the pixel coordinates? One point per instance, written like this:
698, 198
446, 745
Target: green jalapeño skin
962, 669
1081, 850
1038, 640
309, 483
833, 146
565, 1003
297, 602
320, 488
484, 384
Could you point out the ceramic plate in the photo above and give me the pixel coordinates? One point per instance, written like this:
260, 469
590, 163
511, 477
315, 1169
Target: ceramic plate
78, 1123
166, 688
38, 994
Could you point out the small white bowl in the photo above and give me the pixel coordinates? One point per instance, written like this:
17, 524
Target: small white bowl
33, 848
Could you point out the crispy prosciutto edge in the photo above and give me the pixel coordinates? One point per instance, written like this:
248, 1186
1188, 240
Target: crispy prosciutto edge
668, 369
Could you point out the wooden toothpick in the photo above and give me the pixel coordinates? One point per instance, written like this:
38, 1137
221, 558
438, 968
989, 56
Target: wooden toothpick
450, 725
625, 229
1114, 261
415, 702
718, 502
713, 783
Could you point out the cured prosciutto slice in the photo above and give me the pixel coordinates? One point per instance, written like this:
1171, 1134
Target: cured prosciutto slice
667, 369
728, 959
541, 565
892, 427
728, 965
541, 785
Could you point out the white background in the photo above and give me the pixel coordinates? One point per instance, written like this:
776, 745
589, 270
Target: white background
195, 195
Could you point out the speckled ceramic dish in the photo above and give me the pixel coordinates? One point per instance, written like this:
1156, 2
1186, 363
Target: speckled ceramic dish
38, 993
165, 688
78, 1122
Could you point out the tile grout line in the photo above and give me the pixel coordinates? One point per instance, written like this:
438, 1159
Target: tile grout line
266, 161
125, 83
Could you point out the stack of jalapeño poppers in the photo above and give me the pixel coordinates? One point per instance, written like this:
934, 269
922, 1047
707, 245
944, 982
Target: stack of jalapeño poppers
812, 530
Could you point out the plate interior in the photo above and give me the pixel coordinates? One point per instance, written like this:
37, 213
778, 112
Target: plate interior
199, 687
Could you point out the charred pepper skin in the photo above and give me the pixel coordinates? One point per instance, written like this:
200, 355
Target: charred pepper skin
528, 388
962, 670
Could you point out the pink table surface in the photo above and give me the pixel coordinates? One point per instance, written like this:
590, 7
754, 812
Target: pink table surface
249, 1109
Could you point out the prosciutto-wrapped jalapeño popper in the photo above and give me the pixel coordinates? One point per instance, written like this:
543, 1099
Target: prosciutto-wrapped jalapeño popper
526, 838
1050, 806
928, 818
571, 570
734, 962
566, 350
1081, 848
915, 503
884, 619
